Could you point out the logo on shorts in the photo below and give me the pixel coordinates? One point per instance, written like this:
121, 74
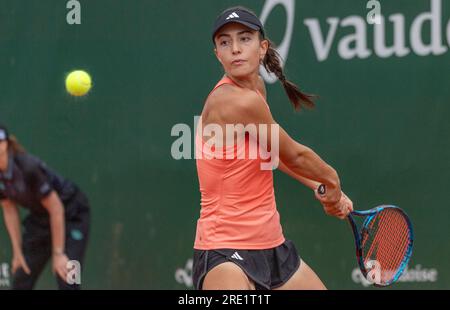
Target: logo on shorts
236, 256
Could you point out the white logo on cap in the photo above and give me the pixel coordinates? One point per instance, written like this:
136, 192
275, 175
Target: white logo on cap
233, 15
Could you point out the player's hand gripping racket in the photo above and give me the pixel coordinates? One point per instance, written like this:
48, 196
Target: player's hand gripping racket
383, 242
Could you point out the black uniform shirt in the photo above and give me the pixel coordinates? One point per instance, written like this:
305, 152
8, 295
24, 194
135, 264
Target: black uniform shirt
28, 180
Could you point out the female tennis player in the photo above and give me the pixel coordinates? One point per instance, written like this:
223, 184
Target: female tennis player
239, 241
57, 225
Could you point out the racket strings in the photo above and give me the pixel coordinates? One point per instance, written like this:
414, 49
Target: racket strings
386, 240
387, 248
390, 247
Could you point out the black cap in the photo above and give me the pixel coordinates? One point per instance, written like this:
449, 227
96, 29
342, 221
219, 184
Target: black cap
238, 15
3, 133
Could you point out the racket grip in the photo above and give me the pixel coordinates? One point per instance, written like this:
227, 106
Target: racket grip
322, 189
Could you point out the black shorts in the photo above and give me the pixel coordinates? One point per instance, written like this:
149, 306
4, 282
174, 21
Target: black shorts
268, 269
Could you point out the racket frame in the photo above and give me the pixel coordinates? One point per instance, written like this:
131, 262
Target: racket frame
369, 215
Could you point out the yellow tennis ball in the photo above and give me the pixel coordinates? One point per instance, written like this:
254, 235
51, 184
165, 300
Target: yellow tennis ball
78, 83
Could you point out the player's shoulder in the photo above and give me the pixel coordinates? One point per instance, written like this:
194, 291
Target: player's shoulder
235, 98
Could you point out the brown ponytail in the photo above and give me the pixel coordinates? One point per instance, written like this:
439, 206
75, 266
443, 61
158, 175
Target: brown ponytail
15, 146
271, 63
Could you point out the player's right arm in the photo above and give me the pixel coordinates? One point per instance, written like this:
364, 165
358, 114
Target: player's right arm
12, 223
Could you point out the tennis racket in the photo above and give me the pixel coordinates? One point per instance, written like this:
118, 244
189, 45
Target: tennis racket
383, 243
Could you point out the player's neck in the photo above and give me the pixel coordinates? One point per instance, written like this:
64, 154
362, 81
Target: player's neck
250, 82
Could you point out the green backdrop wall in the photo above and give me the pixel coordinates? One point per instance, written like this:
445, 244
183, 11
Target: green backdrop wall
382, 122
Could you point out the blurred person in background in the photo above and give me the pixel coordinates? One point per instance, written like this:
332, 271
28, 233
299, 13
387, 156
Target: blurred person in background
57, 225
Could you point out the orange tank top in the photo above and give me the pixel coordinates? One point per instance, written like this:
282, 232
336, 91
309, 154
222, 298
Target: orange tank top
238, 208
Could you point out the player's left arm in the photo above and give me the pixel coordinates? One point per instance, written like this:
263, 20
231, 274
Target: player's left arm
314, 185
282, 167
307, 182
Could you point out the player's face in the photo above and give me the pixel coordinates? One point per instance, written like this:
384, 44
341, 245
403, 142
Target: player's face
239, 49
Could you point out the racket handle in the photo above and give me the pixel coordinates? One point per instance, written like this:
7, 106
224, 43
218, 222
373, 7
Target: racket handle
322, 189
